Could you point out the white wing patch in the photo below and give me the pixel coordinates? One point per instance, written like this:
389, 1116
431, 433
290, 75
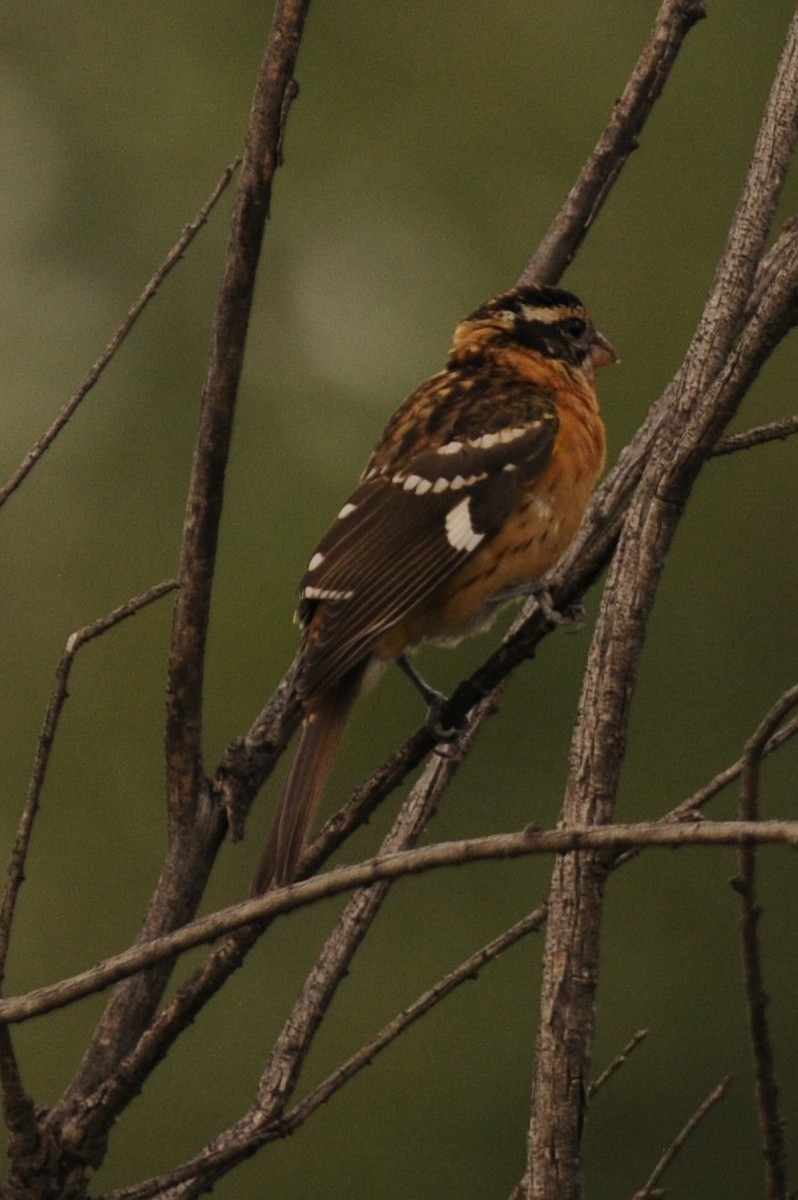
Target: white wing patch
501, 437
316, 561
414, 483
318, 593
419, 485
346, 511
459, 530
485, 441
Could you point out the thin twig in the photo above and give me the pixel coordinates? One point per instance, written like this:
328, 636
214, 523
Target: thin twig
619, 1061
467, 970
647, 1192
20, 1112
723, 778
760, 434
765, 1082
76, 399
596, 179
58, 697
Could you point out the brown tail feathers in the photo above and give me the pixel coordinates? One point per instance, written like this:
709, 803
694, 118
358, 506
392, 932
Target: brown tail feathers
322, 730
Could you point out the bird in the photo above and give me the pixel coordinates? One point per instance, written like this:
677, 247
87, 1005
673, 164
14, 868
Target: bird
472, 494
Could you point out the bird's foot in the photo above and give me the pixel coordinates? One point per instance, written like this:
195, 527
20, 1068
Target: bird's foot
571, 619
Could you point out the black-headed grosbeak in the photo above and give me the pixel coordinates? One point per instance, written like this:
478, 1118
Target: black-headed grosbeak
472, 494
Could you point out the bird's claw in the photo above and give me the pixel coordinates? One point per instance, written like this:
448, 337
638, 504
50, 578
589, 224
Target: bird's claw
572, 618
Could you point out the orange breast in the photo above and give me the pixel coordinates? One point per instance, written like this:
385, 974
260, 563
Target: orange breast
529, 544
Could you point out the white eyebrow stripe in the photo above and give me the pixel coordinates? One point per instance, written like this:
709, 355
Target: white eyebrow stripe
460, 532
546, 316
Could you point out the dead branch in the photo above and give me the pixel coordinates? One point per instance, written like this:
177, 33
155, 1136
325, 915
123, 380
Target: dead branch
699, 403
119, 336
75, 642
197, 824
563, 841
758, 436
766, 1086
648, 1192
586, 198
619, 1061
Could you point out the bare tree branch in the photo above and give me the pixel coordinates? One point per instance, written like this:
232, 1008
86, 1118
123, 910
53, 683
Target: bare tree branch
753, 303
288, 1124
120, 334
561, 841
766, 1085
619, 1061
75, 642
647, 1192
724, 356
229, 955
758, 436
262, 156
597, 178
722, 780
197, 823
279, 1079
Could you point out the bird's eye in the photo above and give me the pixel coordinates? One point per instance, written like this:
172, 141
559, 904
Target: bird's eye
575, 327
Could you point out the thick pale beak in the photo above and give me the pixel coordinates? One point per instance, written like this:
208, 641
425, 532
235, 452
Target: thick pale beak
602, 353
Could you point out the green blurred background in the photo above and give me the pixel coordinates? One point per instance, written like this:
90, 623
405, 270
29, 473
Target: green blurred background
429, 148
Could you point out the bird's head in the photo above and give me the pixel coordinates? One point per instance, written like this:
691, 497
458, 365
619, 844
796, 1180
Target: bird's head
548, 320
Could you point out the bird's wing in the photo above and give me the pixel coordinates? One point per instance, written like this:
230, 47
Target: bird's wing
400, 536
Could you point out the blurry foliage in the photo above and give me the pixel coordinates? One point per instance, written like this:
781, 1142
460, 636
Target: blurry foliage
428, 149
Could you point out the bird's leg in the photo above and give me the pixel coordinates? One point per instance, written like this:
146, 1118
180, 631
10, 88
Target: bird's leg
434, 699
